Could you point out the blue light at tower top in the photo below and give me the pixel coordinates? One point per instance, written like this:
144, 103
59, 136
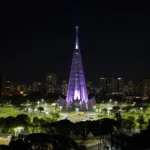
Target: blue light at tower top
77, 41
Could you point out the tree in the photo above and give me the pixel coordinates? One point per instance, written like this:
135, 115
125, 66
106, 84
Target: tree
132, 118
23, 119
81, 128
104, 111
7, 124
21, 123
141, 122
103, 127
68, 127
116, 108
40, 109
148, 126
118, 116
127, 125
55, 116
127, 108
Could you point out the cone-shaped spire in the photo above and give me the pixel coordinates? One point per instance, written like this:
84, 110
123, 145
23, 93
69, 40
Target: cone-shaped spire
77, 92
77, 40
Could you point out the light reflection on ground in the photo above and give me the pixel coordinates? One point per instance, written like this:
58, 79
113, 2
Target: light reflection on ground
4, 141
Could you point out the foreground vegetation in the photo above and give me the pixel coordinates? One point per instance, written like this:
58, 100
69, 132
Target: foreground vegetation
131, 116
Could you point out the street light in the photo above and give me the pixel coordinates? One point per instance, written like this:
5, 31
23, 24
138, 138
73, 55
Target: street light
94, 107
108, 112
42, 100
116, 102
60, 108
110, 101
38, 103
141, 108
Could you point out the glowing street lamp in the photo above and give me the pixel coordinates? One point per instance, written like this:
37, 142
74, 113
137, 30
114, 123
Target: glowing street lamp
38, 103
60, 108
110, 100
116, 103
42, 100
94, 107
108, 112
141, 108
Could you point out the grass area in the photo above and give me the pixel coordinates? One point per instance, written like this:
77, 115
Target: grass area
133, 116
7, 111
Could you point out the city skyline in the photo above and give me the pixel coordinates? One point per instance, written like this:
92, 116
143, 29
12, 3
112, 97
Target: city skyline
114, 40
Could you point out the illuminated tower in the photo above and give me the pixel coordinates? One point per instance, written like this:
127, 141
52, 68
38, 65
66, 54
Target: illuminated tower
77, 92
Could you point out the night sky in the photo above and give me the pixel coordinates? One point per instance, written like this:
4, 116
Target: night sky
37, 37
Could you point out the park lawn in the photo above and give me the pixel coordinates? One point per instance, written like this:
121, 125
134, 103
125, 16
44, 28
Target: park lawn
7, 111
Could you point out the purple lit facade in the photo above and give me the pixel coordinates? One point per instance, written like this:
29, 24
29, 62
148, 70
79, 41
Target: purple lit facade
77, 92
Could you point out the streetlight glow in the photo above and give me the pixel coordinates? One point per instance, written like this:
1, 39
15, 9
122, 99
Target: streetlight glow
38, 102
60, 108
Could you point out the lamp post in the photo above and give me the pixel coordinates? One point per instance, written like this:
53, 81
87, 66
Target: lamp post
42, 101
141, 108
94, 108
108, 112
60, 108
38, 103
110, 101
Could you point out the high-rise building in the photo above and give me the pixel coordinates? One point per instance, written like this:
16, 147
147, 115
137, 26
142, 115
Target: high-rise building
24, 89
146, 87
103, 85
130, 87
36, 87
51, 83
138, 89
120, 85
89, 87
64, 87
77, 93
8, 87
111, 85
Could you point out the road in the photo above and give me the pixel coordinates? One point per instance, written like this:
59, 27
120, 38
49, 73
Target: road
92, 144
79, 117
94, 147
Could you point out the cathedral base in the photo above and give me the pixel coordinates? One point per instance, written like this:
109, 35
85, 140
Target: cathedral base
77, 105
